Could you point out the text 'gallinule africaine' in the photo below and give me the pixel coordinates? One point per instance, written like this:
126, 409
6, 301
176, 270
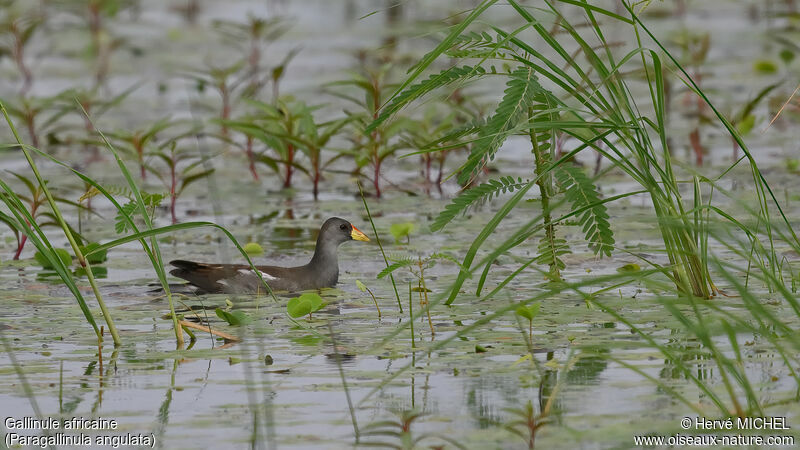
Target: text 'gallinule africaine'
322, 271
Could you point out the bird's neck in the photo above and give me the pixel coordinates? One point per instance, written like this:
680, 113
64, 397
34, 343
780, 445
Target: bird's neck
325, 255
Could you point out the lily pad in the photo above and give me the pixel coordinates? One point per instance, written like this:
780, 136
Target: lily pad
529, 311
234, 318
401, 230
44, 262
305, 304
94, 258
253, 249
765, 66
627, 268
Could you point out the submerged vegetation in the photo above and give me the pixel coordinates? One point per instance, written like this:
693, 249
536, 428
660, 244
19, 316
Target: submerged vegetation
550, 132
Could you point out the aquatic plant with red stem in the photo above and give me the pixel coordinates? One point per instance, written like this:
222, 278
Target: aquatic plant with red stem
136, 142
37, 204
251, 38
183, 167
228, 83
374, 146
19, 31
285, 128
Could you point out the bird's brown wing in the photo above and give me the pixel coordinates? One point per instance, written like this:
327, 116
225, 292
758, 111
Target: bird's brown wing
230, 278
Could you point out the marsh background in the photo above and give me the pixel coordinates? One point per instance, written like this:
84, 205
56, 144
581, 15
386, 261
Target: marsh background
255, 115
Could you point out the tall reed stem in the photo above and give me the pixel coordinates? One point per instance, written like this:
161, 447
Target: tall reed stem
63, 224
545, 190
378, 240
153, 251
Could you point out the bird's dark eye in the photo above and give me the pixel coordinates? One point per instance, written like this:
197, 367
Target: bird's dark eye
343, 227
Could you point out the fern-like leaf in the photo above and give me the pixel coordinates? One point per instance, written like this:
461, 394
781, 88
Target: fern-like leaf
542, 140
416, 91
521, 91
455, 134
120, 224
448, 257
113, 189
398, 263
476, 45
550, 251
593, 219
476, 196
150, 200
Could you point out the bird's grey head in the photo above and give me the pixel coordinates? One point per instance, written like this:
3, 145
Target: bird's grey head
337, 231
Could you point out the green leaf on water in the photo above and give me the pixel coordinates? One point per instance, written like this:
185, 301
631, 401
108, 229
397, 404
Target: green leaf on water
297, 308
627, 268
189, 332
765, 66
401, 230
234, 318
786, 56
253, 249
315, 299
746, 124
95, 258
529, 311
62, 254
305, 304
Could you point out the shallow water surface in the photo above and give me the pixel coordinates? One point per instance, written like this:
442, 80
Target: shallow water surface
345, 377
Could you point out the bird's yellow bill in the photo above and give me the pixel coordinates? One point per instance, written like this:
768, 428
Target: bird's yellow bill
357, 235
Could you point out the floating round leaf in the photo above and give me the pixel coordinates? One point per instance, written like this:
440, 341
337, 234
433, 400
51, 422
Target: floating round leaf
314, 299
234, 318
401, 230
528, 312
765, 66
94, 258
253, 249
305, 304
61, 253
632, 267
298, 307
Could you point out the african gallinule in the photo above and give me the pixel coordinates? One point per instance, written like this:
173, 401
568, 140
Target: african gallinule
322, 271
